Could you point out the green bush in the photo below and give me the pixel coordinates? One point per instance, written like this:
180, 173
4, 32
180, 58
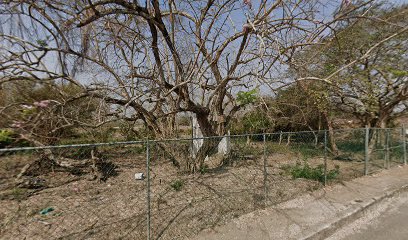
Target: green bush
177, 184
314, 173
204, 169
6, 137
9, 138
351, 146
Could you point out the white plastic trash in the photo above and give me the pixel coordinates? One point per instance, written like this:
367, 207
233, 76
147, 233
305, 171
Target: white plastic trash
139, 176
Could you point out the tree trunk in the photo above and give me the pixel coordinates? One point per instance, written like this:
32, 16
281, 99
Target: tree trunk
377, 136
209, 146
330, 129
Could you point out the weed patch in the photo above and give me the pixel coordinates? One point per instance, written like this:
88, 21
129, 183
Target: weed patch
177, 184
314, 173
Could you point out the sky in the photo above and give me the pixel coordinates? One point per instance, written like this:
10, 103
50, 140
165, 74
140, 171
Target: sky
239, 19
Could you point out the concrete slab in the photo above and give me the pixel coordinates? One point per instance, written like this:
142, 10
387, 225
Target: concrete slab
315, 215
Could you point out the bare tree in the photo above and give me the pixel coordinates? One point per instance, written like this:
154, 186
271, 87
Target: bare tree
155, 59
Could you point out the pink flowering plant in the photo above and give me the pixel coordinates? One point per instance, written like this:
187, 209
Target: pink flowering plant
42, 104
32, 117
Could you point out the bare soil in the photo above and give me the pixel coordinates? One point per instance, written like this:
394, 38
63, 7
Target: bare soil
181, 205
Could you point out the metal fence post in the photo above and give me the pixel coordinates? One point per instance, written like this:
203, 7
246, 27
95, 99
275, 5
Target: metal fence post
265, 171
325, 157
148, 186
404, 143
366, 158
192, 137
387, 149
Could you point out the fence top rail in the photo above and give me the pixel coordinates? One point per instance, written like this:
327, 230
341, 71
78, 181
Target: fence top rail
170, 140
251, 135
72, 146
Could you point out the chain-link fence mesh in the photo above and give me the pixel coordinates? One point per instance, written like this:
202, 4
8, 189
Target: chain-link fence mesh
294, 164
84, 192
227, 184
347, 153
386, 148
173, 189
396, 147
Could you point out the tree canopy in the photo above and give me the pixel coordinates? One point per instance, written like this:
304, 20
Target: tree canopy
151, 61
364, 66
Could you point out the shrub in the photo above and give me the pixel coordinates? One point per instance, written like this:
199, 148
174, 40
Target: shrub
314, 173
351, 146
177, 184
6, 137
204, 169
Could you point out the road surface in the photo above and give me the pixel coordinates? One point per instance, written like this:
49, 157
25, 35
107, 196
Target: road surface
389, 220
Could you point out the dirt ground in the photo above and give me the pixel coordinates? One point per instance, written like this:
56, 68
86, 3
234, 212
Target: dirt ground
181, 205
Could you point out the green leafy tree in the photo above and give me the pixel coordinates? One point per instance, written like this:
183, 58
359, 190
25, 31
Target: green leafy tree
364, 67
294, 110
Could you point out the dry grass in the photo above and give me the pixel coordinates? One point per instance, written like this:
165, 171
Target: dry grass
116, 209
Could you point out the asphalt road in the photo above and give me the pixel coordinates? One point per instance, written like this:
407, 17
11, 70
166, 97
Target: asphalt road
389, 221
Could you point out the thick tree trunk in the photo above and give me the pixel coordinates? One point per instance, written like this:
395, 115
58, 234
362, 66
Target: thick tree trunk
210, 143
377, 136
330, 130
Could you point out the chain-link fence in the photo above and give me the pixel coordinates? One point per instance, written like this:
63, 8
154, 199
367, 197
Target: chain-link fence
386, 148
173, 189
73, 192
